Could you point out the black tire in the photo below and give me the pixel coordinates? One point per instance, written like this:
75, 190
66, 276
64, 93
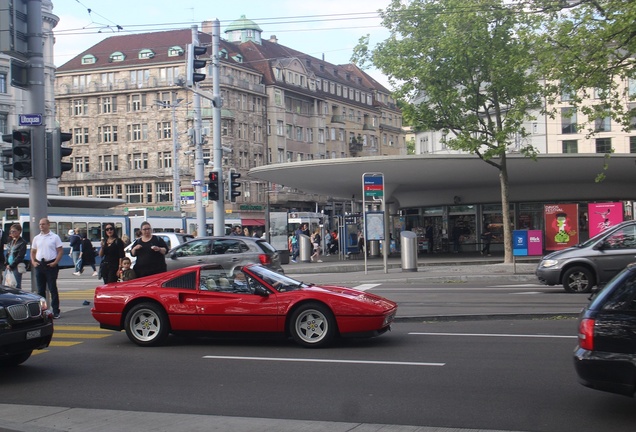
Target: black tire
15, 359
578, 280
147, 324
312, 325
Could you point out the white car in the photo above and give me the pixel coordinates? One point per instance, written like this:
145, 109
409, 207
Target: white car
171, 239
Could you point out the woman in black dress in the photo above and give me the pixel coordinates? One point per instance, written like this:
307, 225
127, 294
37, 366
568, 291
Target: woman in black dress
150, 251
112, 252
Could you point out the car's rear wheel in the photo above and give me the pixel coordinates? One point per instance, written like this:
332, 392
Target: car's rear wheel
578, 280
14, 359
312, 325
147, 324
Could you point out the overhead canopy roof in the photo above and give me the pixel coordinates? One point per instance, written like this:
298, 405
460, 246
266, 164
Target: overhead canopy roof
432, 180
22, 200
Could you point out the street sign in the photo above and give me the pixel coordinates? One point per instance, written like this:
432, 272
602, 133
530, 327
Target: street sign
195, 182
30, 119
374, 186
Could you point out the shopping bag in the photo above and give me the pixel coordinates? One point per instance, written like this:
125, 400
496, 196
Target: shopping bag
9, 279
22, 268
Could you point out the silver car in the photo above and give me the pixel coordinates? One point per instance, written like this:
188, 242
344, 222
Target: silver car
229, 251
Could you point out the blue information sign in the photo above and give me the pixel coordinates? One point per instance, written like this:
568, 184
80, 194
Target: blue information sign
520, 243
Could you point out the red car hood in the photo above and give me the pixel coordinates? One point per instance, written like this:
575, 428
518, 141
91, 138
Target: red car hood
353, 294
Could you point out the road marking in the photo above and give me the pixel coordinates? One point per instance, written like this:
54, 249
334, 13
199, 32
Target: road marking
56, 343
365, 287
285, 359
493, 335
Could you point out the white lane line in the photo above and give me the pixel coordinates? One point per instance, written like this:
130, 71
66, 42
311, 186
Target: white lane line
493, 335
365, 287
527, 292
284, 359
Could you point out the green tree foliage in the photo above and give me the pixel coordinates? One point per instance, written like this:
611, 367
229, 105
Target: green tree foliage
587, 51
467, 68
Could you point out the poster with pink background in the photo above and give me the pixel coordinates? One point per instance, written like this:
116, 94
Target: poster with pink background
601, 216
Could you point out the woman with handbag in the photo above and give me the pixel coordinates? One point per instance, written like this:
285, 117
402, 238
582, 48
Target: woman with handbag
16, 252
112, 252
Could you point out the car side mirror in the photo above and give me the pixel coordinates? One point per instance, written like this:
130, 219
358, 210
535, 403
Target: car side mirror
260, 290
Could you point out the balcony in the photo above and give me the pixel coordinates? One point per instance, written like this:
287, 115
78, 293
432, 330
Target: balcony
368, 127
338, 119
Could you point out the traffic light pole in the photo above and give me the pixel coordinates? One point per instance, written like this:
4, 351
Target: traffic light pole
35, 84
35, 76
219, 209
198, 153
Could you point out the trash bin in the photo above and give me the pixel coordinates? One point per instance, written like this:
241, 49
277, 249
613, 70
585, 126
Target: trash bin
305, 248
283, 255
374, 248
409, 251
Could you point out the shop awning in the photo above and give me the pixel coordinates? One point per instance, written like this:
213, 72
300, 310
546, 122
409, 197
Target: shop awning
253, 222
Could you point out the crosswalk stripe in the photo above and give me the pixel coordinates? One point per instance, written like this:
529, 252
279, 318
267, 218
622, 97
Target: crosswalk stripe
79, 335
56, 343
62, 327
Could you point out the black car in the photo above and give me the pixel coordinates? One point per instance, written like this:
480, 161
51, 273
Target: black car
605, 358
26, 324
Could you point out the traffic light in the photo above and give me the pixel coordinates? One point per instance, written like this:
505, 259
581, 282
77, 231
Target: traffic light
55, 152
233, 185
213, 186
192, 76
20, 152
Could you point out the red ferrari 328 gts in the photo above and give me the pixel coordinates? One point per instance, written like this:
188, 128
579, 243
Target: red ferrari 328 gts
208, 298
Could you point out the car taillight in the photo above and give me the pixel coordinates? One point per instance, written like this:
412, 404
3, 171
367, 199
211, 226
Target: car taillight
265, 259
586, 334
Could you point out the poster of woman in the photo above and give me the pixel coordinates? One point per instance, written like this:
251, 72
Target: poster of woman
604, 215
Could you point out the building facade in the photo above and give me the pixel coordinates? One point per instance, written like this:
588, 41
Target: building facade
279, 105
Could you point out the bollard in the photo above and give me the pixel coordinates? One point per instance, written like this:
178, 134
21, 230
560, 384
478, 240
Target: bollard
306, 248
409, 251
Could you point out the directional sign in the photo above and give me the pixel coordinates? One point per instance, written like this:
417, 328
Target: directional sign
373, 186
195, 182
30, 119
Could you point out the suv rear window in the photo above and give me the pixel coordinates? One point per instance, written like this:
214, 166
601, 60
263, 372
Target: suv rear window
266, 247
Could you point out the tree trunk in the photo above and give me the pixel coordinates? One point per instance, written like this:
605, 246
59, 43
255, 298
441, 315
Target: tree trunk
505, 211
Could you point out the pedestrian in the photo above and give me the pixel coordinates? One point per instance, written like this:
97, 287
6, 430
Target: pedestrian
87, 255
486, 238
17, 251
297, 234
246, 232
75, 242
361, 242
46, 253
315, 240
112, 252
327, 242
150, 251
457, 233
126, 273
236, 231
334, 243
430, 238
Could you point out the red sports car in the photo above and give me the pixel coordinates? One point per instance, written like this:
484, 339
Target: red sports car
253, 298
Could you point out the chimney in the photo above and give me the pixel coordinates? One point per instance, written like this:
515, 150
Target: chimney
206, 27
273, 39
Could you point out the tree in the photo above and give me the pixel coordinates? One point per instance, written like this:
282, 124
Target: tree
466, 70
588, 53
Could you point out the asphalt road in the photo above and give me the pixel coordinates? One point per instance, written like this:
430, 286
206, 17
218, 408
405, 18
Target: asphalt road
487, 375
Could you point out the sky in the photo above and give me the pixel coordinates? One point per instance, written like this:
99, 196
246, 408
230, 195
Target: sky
325, 27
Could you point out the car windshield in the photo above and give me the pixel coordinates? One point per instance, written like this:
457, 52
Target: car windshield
279, 282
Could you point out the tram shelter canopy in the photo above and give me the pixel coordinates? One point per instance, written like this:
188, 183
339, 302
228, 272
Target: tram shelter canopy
435, 180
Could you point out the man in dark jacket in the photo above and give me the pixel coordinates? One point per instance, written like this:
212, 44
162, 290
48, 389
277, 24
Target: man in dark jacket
75, 242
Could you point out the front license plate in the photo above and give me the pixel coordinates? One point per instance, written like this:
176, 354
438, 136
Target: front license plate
34, 334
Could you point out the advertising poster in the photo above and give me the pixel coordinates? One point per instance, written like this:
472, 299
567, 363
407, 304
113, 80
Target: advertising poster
604, 215
561, 225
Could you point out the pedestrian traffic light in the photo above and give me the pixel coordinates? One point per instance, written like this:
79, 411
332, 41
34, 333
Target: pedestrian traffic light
55, 152
194, 63
233, 185
213, 186
21, 165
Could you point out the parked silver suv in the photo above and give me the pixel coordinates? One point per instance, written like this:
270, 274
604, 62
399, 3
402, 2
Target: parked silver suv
594, 262
228, 251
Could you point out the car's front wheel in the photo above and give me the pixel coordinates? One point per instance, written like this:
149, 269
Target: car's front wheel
14, 359
147, 324
312, 325
578, 280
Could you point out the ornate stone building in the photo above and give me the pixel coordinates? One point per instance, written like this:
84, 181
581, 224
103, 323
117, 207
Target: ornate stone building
279, 105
